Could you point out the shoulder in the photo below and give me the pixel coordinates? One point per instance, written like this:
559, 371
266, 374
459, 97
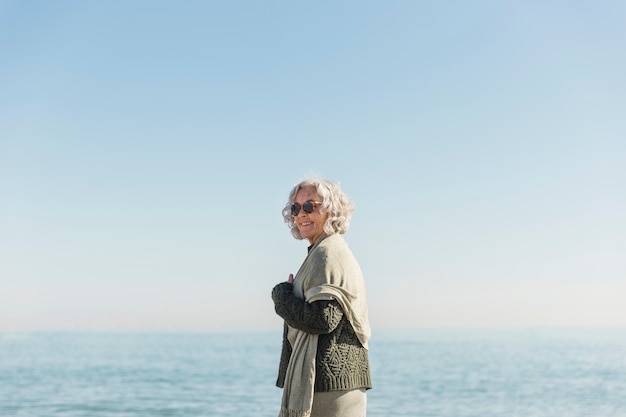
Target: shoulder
330, 247
333, 243
335, 250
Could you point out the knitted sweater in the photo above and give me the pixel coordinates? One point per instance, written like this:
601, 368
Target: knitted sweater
341, 362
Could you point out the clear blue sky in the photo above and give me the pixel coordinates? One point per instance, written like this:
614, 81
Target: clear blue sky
147, 149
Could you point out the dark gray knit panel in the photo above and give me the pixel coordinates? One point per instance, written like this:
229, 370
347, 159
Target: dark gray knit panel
342, 363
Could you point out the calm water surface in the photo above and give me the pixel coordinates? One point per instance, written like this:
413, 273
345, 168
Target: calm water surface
426, 372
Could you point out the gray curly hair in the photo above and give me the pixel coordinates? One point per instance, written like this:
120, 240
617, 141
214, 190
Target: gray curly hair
334, 202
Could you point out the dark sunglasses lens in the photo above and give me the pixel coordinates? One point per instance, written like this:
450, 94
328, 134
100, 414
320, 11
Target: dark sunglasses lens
308, 207
295, 209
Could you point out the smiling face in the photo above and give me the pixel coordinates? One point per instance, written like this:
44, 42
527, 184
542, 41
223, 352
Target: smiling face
310, 225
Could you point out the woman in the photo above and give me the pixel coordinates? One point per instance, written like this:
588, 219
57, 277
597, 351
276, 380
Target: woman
324, 365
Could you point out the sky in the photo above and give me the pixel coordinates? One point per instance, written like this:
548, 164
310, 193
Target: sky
147, 149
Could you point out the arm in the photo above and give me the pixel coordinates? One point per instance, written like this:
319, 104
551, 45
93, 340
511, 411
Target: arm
319, 317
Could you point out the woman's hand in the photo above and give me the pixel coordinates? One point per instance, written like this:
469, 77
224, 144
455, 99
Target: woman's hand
280, 290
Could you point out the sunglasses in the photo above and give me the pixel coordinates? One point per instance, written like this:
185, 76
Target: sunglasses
307, 206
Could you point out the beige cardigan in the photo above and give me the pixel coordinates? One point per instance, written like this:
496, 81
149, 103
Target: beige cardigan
328, 272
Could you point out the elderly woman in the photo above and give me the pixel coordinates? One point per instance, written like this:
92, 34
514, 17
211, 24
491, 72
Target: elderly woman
324, 367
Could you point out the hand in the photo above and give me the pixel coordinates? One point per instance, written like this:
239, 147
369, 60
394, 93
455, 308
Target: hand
290, 279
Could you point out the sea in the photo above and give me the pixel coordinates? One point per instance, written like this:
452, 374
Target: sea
425, 372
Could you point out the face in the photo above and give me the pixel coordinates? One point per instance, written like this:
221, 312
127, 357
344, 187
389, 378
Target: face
310, 225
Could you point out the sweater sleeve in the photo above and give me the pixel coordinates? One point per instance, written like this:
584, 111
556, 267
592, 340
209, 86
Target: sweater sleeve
319, 317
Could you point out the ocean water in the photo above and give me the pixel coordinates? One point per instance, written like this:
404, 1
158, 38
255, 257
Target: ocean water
534, 372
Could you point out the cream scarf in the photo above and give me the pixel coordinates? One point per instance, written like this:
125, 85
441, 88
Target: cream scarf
329, 272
